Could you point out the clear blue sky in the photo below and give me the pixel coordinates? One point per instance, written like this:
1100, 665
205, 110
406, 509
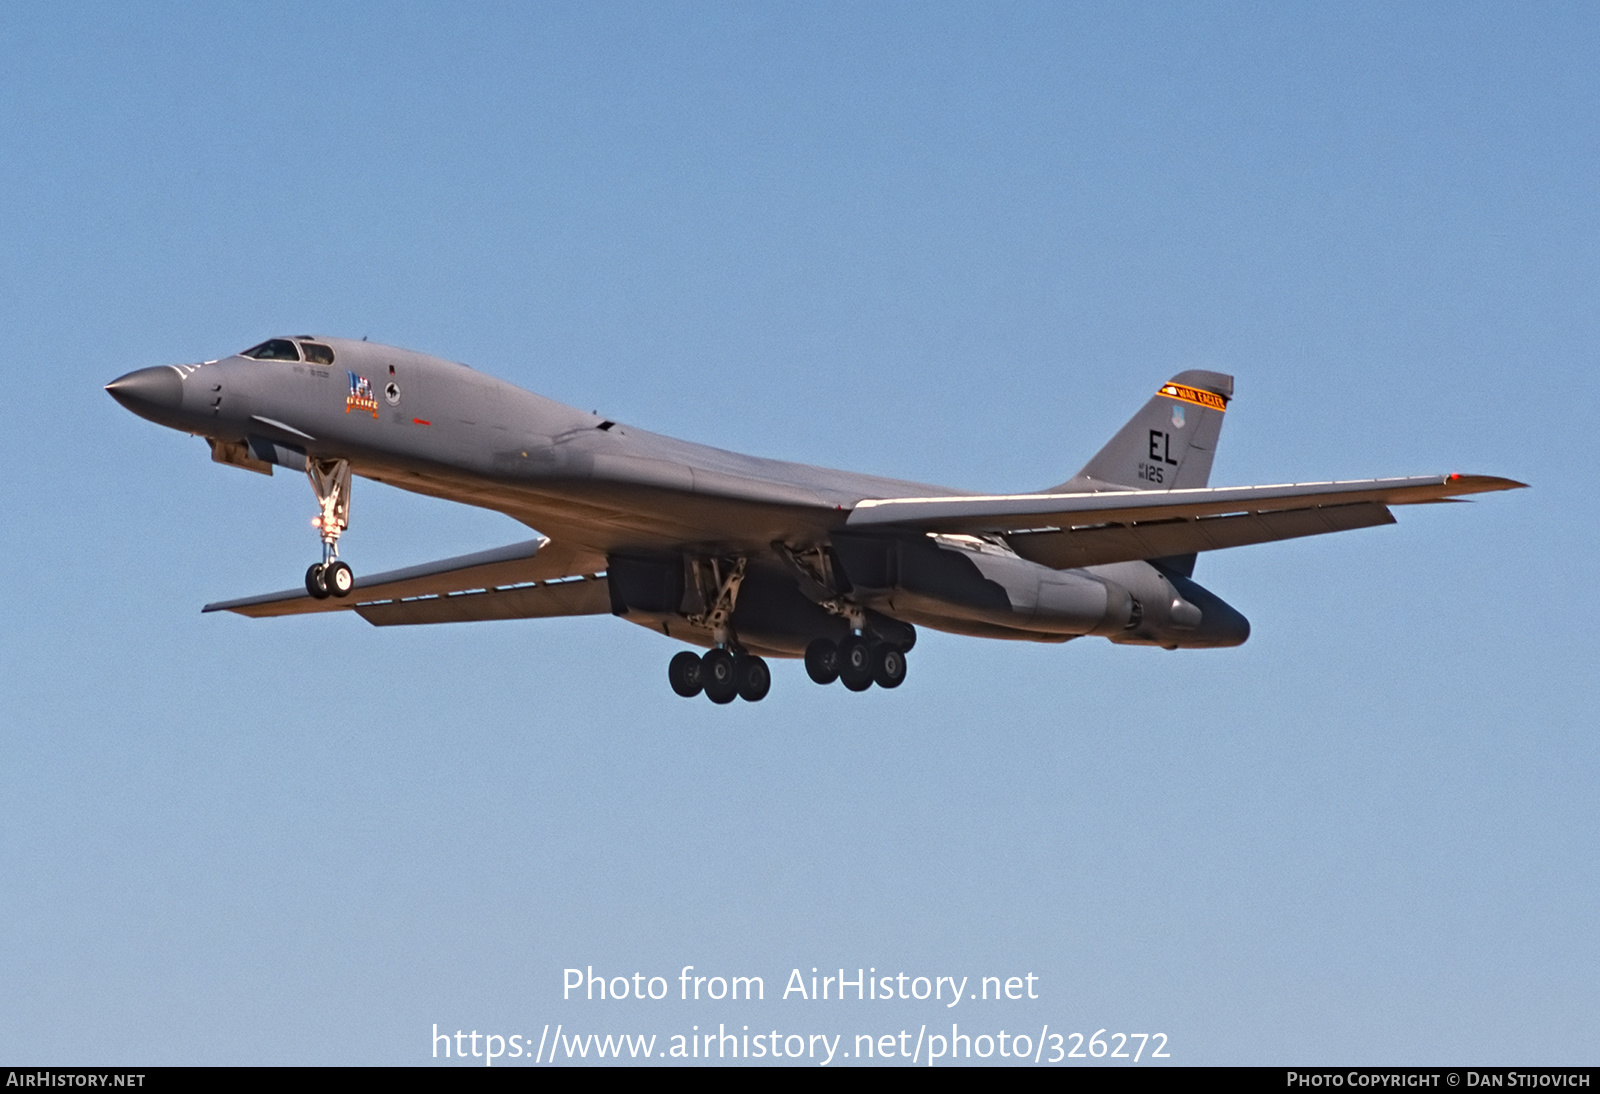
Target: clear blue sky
959, 244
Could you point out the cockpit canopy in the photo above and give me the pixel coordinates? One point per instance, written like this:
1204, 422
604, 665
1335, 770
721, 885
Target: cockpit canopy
283, 349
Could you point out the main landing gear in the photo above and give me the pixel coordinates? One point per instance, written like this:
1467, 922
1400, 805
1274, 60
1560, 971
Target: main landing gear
858, 662
725, 672
722, 674
331, 481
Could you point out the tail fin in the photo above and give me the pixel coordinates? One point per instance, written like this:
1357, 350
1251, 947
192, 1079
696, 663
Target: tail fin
1168, 445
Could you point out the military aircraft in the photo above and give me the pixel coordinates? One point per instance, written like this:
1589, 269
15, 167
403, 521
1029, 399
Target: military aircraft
747, 557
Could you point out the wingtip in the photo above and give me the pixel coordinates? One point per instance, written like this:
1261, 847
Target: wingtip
1482, 483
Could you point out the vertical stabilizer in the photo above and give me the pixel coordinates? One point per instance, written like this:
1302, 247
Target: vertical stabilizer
1168, 445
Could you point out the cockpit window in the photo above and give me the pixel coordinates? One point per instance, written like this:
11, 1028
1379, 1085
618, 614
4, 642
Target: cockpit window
275, 349
317, 353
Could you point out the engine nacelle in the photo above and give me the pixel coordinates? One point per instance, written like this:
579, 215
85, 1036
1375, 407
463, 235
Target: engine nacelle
967, 585
1172, 611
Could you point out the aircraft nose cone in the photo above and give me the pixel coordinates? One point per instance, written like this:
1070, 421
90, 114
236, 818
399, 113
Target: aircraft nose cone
147, 389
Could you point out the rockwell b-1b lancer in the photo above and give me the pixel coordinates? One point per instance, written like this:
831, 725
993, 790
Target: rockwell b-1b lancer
746, 557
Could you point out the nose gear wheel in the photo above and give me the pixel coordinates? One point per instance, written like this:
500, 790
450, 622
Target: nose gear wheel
338, 579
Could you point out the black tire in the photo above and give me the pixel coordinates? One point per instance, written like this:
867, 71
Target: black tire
754, 678
889, 667
822, 661
338, 579
683, 673
855, 663
314, 584
717, 676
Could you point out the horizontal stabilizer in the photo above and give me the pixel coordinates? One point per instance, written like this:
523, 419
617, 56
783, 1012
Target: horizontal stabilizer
1070, 530
519, 565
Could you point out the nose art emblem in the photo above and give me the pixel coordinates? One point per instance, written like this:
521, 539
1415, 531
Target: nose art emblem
360, 397
391, 393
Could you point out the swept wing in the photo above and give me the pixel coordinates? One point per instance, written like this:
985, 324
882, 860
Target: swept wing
1088, 529
528, 580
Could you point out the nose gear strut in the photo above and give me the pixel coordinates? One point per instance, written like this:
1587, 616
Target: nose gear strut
330, 479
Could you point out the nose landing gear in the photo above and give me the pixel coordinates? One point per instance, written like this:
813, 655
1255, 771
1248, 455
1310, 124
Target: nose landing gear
325, 579
331, 481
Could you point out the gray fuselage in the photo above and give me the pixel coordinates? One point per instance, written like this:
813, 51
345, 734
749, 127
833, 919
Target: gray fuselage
624, 497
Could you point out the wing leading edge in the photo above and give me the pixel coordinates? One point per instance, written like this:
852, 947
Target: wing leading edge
1071, 530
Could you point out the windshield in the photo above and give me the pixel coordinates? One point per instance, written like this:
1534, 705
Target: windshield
317, 353
282, 349
274, 349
